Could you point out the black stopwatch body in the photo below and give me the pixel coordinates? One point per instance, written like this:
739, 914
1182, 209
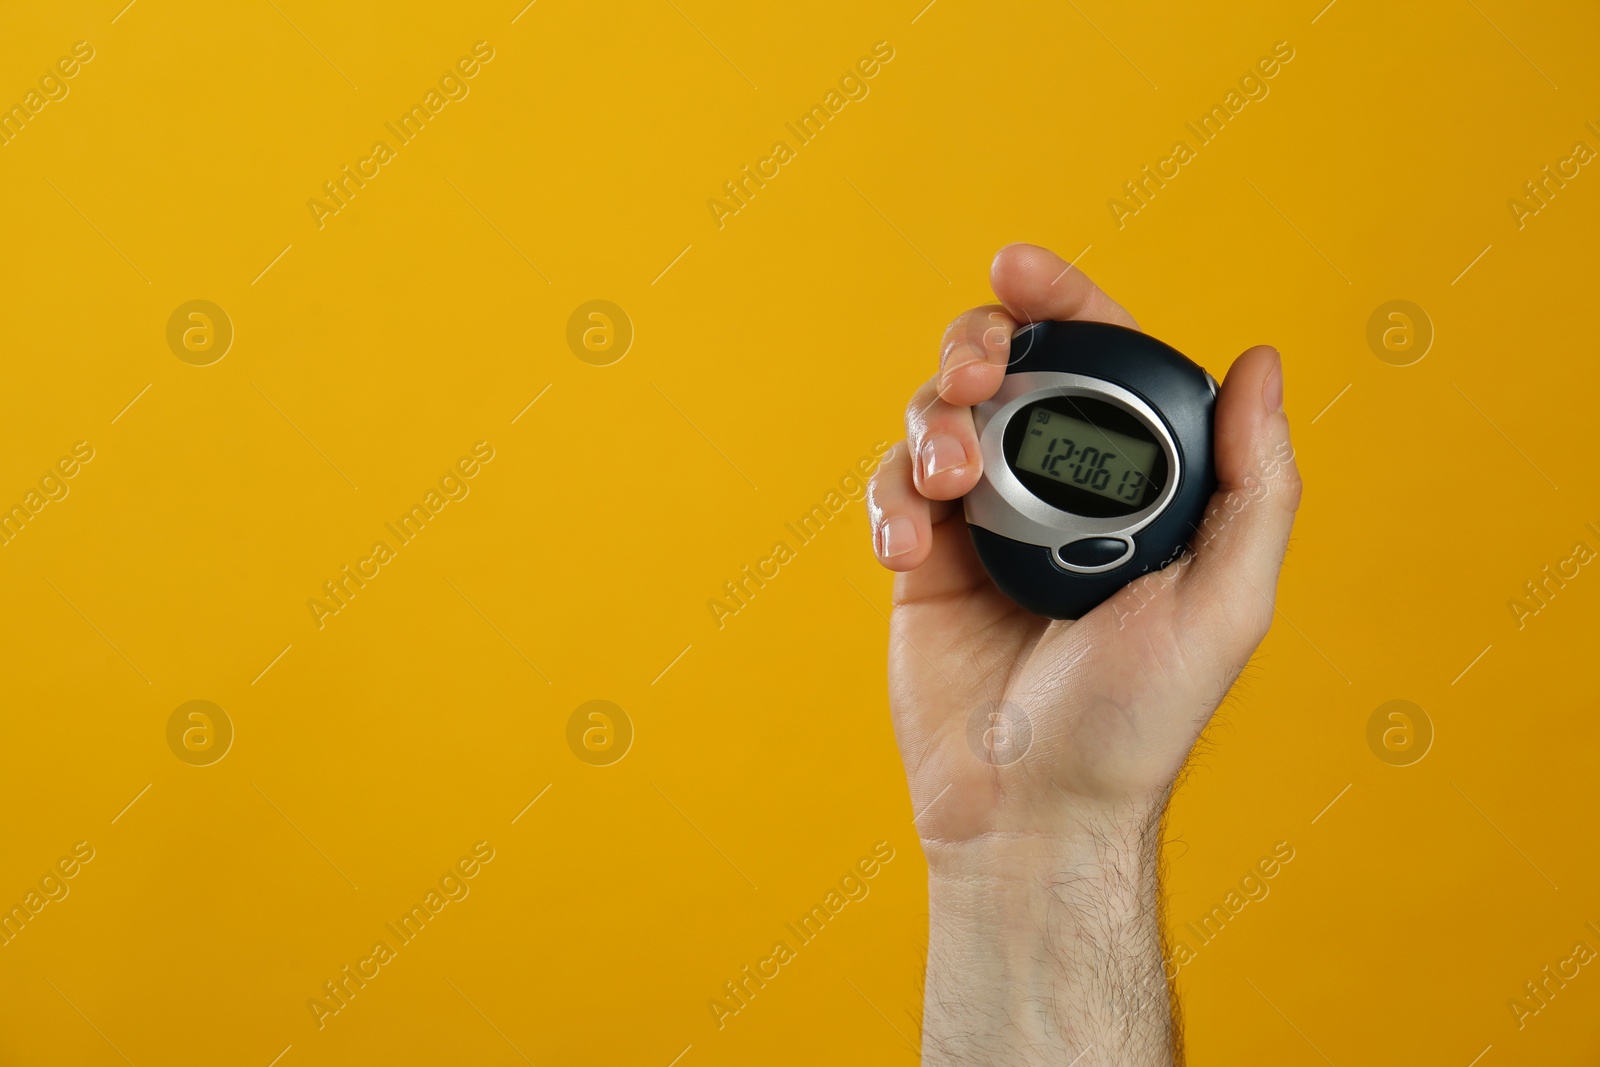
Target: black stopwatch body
1097, 454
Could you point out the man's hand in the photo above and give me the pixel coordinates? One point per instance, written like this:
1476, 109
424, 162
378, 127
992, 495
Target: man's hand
1040, 754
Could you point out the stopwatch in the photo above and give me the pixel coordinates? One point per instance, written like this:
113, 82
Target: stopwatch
1097, 464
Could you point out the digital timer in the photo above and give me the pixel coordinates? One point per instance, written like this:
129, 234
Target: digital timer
1097, 464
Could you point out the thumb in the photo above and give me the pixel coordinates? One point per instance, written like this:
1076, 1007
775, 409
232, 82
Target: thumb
1240, 543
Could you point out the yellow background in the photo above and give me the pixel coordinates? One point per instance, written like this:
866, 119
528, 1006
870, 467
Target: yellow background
772, 355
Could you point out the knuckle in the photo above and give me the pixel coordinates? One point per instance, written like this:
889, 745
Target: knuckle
959, 327
1293, 488
917, 412
875, 494
892, 462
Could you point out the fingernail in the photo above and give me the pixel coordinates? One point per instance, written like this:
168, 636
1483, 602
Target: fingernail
941, 453
1272, 388
898, 536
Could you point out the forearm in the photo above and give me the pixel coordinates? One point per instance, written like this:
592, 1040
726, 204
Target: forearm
1048, 951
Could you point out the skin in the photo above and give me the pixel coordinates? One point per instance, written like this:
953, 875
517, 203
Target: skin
1044, 894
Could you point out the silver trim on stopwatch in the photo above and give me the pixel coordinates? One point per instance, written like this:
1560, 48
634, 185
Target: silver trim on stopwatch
1002, 505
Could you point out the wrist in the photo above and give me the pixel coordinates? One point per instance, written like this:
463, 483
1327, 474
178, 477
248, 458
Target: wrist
1044, 945
1094, 837
998, 888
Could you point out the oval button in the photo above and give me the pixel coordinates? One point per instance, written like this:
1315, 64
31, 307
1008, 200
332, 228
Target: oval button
1094, 552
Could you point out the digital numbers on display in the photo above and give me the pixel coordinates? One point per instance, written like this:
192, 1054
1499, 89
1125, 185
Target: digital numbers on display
1105, 462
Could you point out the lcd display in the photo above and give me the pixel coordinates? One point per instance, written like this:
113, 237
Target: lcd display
1074, 452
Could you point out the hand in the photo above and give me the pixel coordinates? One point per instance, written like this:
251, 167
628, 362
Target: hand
1114, 701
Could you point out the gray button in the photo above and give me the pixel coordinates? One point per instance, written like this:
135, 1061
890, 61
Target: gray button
1093, 552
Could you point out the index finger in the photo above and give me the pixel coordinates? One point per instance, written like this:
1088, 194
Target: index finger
974, 354
1035, 284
